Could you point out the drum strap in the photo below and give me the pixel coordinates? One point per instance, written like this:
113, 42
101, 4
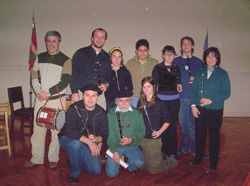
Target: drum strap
58, 96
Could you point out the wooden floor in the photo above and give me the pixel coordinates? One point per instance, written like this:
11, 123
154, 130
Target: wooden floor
233, 167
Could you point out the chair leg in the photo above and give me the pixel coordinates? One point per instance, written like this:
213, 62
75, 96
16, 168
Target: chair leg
22, 126
12, 124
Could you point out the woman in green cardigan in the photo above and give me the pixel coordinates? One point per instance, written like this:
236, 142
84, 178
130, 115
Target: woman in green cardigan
211, 87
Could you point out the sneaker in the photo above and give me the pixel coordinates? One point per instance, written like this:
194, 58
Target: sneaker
73, 180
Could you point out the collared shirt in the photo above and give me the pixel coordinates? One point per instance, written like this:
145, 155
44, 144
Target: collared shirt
144, 64
119, 110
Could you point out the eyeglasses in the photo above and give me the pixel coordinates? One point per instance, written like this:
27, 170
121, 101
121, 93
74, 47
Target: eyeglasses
52, 41
169, 54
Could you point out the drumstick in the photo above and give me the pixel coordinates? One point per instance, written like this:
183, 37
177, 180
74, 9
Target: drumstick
82, 120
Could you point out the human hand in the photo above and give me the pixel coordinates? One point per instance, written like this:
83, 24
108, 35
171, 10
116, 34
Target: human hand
103, 87
155, 134
94, 149
195, 112
125, 140
43, 95
116, 157
179, 87
92, 138
191, 80
75, 97
205, 101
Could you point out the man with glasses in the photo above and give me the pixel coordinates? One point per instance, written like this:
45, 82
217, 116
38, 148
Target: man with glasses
50, 77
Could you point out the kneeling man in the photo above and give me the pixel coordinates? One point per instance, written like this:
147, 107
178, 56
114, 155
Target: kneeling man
126, 130
86, 125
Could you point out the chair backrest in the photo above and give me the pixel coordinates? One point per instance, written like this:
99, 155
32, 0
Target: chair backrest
15, 95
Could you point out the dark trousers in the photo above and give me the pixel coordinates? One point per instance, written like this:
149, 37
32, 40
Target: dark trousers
211, 120
169, 137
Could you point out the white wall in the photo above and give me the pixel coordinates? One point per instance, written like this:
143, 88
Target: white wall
160, 21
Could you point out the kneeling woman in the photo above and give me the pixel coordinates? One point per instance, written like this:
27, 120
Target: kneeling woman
154, 112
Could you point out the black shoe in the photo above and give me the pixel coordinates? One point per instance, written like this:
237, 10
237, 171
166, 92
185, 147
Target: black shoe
206, 157
212, 167
195, 162
73, 180
164, 155
179, 152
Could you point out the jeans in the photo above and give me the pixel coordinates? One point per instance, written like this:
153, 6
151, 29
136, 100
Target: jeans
79, 157
134, 101
135, 160
187, 123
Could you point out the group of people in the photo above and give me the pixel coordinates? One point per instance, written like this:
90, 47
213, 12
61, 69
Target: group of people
134, 107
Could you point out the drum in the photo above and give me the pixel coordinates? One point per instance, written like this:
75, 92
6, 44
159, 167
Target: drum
50, 118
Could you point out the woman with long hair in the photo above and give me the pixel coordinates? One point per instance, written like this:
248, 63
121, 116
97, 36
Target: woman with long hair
156, 121
211, 87
120, 78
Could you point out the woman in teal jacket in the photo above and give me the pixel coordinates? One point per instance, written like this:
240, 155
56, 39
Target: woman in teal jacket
211, 87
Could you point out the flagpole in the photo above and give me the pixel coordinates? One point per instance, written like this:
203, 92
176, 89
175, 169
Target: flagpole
32, 55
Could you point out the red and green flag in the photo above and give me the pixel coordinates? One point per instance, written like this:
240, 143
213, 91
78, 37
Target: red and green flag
33, 45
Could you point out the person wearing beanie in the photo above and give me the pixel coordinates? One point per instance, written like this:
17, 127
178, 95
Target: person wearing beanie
86, 126
140, 66
126, 130
120, 77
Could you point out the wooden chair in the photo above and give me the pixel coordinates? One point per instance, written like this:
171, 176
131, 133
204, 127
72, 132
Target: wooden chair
4, 107
16, 95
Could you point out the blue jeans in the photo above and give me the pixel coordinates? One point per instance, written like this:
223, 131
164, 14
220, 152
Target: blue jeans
187, 124
79, 157
134, 101
135, 160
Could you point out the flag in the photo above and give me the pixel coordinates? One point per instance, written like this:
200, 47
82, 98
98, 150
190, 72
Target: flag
33, 45
206, 42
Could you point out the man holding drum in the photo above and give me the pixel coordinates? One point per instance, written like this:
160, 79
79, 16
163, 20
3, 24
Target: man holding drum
50, 77
86, 125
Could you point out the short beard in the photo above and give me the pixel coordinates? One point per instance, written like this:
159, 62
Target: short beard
124, 109
99, 47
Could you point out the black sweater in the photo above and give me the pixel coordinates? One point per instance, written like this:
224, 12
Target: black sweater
158, 115
85, 67
124, 81
167, 79
74, 128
